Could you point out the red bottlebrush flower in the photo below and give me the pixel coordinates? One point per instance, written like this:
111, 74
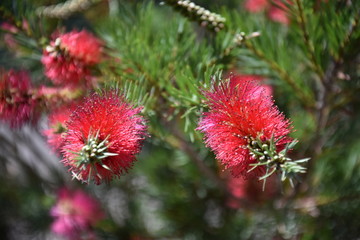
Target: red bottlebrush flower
249, 191
75, 214
278, 13
245, 77
256, 5
104, 135
10, 41
82, 45
240, 112
276, 10
57, 128
68, 59
64, 70
6, 26
16, 101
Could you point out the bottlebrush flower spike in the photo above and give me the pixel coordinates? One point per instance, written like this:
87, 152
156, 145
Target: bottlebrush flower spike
256, 5
268, 90
62, 70
68, 59
82, 45
104, 135
16, 99
277, 10
246, 131
75, 214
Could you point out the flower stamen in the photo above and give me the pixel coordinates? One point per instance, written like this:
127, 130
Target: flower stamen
94, 151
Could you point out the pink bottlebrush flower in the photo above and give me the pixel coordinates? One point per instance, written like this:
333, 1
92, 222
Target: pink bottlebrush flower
6, 26
275, 9
57, 127
249, 190
64, 70
16, 101
25, 25
82, 45
104, 135
240, 112
9, 38
256, 5
246, 77
67, 60
278, 13
10, 41
55, 96
75, 214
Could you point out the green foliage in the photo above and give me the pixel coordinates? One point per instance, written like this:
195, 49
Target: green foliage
161, 60
171, 77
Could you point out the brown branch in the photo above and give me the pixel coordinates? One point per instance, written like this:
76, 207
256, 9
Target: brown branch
65, 9
324, 106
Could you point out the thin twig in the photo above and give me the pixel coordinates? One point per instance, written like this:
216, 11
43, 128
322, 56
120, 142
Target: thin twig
322, 110
324, 107
345, 42
308, 102
186, 147
309, 45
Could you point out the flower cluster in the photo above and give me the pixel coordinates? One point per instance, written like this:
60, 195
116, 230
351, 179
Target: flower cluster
103, 136
17, 103
276, 9
67, 60
9, 39
12, 29
75, 214
241, 117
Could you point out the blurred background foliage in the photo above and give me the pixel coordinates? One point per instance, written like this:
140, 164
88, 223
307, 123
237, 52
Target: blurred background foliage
160, 60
